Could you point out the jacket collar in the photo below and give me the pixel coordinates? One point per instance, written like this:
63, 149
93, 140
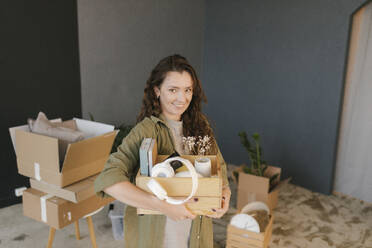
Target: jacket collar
161, 119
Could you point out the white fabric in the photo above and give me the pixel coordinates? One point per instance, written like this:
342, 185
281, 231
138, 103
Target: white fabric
354, 157
176, 128
162, 170
246, 222
176, 232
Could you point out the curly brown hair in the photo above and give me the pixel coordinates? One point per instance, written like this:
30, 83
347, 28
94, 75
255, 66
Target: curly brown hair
195, 123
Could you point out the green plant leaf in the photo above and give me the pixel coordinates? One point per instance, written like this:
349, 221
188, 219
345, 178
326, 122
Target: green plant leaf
123, 132
255, 153
256, 137
236, 175
272, 181
91, 116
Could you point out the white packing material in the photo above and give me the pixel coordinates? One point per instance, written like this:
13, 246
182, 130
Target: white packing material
92, 128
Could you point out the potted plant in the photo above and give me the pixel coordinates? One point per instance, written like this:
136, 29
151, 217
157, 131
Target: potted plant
259, 181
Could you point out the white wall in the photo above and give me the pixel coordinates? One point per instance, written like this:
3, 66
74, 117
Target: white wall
354, 159
121, 41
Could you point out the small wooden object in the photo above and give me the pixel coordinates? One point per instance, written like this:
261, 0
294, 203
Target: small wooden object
240, 238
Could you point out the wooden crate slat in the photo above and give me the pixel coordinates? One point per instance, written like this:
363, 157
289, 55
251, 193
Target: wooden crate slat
235, 244
245, 240
252, 235
240, 238
201, 207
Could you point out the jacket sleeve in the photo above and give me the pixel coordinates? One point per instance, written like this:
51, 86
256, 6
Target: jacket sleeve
123, 164
225, 181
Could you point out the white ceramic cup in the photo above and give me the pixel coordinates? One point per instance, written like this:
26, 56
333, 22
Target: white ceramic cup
203, 166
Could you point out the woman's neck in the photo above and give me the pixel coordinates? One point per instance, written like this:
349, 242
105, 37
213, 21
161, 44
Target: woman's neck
171, 117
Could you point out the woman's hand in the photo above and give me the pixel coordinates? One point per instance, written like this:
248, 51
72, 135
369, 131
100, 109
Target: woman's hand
178, 212
219, 212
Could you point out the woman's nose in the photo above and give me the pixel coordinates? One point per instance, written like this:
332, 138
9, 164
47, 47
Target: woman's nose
181, 96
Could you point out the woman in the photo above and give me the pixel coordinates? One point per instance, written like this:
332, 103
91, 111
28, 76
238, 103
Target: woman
171, 109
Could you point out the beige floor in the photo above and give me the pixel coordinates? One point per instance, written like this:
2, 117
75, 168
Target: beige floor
303, 219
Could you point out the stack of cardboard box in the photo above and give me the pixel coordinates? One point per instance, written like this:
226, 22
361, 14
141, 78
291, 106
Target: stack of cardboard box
62, 189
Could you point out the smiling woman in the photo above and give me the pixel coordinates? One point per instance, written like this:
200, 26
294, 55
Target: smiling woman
175, 94
171, 109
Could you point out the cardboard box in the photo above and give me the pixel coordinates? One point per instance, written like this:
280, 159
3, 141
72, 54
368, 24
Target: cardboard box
255, 188
209, 189
57, 212
239, 238
38, 155
75, 192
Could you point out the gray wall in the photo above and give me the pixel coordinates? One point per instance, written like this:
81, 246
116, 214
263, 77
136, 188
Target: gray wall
120, 43
276, 68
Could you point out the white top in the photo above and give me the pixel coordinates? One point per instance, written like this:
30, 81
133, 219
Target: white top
177, 233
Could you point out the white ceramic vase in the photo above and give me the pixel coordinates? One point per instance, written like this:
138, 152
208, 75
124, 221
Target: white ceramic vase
203, 166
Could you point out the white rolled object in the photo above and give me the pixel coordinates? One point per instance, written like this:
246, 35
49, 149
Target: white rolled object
160, 192
246, 222
162, 170
203, 166
185, 174
256, 205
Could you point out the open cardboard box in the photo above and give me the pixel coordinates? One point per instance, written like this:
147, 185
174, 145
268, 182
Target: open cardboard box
237, 238
255, 188
57, 212
209, 190
75, 192
38, 155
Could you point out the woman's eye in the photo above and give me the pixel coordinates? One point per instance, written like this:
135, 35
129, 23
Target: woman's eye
172, 90
188, 90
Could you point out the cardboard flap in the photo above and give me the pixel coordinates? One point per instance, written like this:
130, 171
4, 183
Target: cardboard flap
92, 128
281, 184
271, 171
24, 128
36, 148
83, 152
12, 132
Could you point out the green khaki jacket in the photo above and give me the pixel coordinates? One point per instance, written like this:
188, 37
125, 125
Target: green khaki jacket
148, 230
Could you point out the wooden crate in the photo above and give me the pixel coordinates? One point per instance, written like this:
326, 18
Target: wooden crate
240, 238
209, 190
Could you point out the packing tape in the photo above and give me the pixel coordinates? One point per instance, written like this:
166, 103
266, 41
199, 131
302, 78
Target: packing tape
43, 206
162, 170
37, 171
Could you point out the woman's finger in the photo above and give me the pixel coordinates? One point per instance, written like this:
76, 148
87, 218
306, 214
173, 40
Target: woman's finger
189, 214
193, 200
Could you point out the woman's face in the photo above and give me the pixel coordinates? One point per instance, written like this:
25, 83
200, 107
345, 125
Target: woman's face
175, 94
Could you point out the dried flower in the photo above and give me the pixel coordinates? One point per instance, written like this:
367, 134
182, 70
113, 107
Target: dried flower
197, 145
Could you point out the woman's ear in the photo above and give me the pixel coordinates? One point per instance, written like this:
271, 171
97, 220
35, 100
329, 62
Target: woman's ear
157, 91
